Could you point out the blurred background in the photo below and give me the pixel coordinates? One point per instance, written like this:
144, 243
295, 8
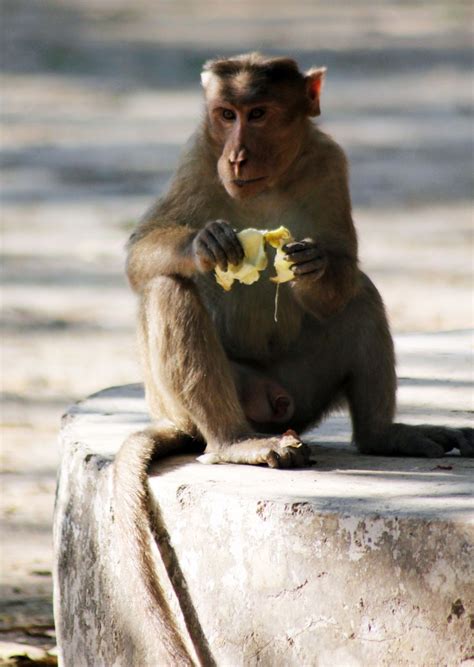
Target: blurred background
98, 97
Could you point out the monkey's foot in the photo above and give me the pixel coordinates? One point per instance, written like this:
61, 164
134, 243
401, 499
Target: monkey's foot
284, 451
435, 441
423, 440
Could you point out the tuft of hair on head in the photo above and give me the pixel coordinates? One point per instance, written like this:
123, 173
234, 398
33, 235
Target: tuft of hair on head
256, 72
274, 69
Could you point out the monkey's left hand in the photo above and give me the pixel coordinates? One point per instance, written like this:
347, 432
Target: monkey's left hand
306, 258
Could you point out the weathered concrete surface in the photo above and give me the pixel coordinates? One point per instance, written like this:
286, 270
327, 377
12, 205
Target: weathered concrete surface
356, 561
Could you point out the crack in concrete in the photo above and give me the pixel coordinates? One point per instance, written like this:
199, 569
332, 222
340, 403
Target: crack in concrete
288, 591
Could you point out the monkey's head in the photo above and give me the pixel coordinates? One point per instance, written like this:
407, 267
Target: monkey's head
257, 113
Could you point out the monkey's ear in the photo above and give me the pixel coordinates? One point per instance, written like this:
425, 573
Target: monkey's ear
314, 82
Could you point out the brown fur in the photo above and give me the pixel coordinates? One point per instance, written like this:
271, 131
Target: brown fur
217, 365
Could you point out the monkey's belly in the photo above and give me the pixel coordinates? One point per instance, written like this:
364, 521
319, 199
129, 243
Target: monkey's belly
245, 319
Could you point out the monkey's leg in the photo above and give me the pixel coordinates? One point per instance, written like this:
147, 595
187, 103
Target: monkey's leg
190, 381
372, 386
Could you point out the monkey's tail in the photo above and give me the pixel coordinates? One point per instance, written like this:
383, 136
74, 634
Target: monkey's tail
157, 634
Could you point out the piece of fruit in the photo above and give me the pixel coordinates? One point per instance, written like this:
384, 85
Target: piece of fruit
277, 238
282, 267
255, 259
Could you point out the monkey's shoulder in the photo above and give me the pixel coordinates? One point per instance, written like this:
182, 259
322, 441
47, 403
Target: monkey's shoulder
324, 151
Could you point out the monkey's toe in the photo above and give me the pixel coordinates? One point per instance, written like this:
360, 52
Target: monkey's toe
451, 438
426, 447
294, 455
466, 446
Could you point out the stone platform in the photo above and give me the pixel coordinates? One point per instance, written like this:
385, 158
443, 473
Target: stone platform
355, 561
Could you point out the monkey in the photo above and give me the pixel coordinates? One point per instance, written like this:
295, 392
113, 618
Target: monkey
218, 369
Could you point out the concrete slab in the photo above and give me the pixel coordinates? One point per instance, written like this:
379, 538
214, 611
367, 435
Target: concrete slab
355, 561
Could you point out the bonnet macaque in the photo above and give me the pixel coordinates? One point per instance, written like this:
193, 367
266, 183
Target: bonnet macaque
219, 368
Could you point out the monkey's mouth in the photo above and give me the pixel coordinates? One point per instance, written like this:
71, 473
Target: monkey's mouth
241, 182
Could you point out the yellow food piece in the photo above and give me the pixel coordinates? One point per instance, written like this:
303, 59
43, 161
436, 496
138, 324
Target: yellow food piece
255, 259
282, 267
277, 237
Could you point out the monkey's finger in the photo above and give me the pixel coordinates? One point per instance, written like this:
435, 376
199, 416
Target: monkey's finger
273, 459
294, 457
456, 438
228, 240
297, 246
467, 446
448, 438
315, 266
306, 255
205, 255
294, 246
429, 448
231, 237
301, 456
217, 250
285, 458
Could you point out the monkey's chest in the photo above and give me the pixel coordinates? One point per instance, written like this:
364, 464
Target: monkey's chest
253, 321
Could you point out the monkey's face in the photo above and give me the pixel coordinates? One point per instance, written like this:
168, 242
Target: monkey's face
257, 119
256, 143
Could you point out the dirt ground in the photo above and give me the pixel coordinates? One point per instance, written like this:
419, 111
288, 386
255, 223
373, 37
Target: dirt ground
97, 99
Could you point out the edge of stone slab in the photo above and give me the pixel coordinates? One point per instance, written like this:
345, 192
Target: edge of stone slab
341, 480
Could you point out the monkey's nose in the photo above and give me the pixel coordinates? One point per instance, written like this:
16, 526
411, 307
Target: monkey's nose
238, 159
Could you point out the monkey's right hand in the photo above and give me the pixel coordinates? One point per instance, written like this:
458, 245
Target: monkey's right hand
216, 245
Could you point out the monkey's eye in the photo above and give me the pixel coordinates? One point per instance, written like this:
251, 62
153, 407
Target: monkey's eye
228, 114
257, 113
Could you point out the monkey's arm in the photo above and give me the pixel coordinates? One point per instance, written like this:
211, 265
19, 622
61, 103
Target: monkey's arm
160, 251
181, 251
325, 264
326, 291
173, 238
